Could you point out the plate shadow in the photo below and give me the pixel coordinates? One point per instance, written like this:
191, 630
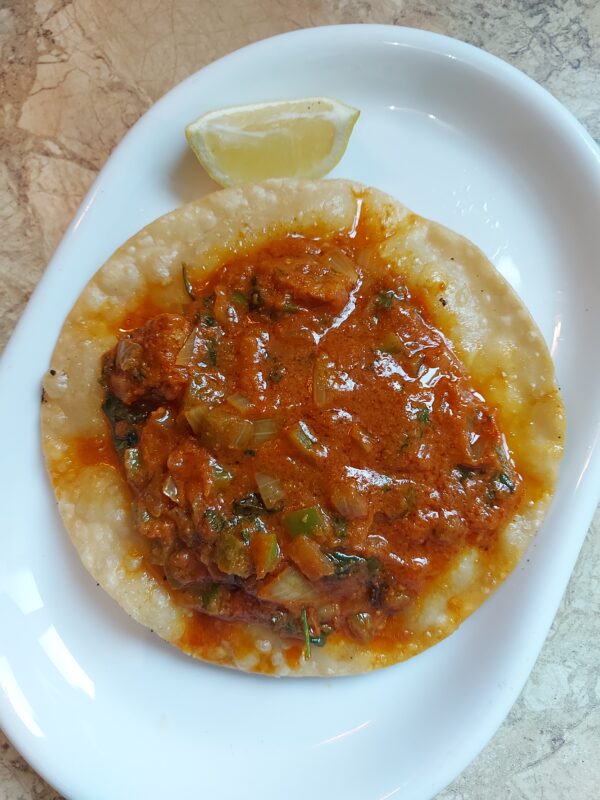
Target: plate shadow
189, 180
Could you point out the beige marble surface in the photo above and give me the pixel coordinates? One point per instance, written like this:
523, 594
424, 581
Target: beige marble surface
74, 76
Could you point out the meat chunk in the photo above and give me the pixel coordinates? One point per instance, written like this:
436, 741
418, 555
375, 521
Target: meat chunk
311, 279
142, 366
183, 568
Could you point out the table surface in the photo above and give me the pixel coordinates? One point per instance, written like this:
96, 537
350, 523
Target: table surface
78, 73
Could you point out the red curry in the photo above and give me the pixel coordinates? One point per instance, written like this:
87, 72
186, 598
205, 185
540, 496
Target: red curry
302, 446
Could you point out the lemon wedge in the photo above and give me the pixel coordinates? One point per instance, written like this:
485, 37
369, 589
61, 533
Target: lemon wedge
287, 139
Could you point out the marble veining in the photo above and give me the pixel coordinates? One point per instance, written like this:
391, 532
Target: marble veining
76, 74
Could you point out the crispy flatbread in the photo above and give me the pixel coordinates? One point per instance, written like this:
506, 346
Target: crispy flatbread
491, 330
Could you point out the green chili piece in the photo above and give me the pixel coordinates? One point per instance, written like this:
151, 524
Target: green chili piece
303, 521
233, 554
305, 441
303, 436
272, 551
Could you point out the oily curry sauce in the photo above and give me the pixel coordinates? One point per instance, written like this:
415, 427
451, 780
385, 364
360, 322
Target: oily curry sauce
303, 448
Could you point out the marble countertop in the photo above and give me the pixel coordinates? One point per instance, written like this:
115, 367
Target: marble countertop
76, 74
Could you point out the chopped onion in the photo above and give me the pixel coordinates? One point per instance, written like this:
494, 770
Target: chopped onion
221, 476
216, 427
362, 438
196, 417
184, 356
304, 440
343, 264
239, 432
289, 587
169, 489
361, 626
264, 429
349, 502
322, 392
391, 343
239, 402
270, 489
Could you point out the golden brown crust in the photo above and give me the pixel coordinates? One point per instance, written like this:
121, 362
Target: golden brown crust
491, 330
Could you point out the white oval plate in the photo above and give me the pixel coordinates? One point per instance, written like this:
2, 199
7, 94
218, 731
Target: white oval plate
104, 709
